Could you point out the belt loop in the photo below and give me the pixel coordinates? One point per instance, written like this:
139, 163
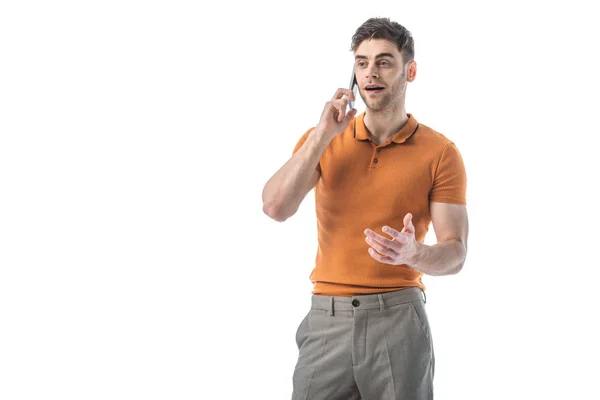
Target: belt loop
424, 296
380, 297
331, 307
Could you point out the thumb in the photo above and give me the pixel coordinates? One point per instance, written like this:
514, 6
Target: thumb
408, 225
349, 116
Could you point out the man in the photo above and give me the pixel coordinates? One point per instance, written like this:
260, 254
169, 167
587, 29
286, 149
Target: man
380, 179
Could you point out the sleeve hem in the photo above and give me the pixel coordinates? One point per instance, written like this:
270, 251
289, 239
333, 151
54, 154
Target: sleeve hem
452, 200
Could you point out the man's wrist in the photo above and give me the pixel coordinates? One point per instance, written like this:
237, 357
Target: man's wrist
321, 137
417, 256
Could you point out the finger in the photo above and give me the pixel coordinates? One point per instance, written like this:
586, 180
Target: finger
330, 109
341, 92
346, 101
381, 239
379, 257
397, 236
382, 249
341, 106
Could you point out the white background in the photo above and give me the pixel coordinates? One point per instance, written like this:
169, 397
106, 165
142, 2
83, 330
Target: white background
136, 137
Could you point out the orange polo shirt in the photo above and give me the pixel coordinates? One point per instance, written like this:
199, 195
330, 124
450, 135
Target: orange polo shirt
365, 185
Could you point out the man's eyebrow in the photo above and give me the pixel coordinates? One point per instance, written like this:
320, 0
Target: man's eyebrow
377, 56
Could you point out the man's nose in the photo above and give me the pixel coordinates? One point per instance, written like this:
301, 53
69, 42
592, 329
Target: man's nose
372, 71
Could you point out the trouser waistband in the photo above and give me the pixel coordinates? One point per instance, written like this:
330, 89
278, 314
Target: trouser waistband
367, 301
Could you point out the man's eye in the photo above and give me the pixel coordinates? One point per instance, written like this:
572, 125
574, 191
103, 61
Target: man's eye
361, 64
384, 63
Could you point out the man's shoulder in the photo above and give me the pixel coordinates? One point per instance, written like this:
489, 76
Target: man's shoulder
428, 133
431, 140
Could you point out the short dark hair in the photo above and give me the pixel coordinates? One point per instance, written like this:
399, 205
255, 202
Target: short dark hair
383, 28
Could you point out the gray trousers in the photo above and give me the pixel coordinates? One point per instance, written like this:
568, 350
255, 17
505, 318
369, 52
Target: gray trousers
369, 347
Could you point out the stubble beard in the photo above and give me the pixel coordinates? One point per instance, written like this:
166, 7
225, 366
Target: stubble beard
387, 102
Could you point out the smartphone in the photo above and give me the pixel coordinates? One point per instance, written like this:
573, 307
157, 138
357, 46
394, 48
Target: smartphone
353, 87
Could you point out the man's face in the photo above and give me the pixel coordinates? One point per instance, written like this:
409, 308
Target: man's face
380, 73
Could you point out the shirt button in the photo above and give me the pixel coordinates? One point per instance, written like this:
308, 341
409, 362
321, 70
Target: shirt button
375, 161
355, 303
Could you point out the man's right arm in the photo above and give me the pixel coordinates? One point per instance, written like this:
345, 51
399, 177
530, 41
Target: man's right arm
284, 192
286, 189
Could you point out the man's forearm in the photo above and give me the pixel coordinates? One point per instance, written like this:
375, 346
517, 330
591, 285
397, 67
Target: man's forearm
444, 258
283, 193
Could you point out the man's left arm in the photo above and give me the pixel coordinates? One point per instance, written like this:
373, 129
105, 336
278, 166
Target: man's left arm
446, 257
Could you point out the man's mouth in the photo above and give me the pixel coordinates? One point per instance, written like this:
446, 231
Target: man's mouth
373, 88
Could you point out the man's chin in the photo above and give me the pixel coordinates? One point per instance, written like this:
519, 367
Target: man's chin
378, 106
375, 107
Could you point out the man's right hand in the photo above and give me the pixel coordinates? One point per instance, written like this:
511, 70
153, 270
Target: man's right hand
334, 118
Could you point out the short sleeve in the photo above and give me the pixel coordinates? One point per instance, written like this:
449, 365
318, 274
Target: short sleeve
450, 180
301, 142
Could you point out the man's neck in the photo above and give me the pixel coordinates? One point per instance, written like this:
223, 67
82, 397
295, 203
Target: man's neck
385, 124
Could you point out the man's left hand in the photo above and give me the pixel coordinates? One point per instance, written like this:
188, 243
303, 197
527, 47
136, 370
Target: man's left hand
401, 249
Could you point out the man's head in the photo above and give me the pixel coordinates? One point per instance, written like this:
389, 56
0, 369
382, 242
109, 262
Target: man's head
384, 62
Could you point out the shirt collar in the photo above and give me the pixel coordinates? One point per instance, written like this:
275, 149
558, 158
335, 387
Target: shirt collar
410, 127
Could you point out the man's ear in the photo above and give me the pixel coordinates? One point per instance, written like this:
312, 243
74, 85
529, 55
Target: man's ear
412, 71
